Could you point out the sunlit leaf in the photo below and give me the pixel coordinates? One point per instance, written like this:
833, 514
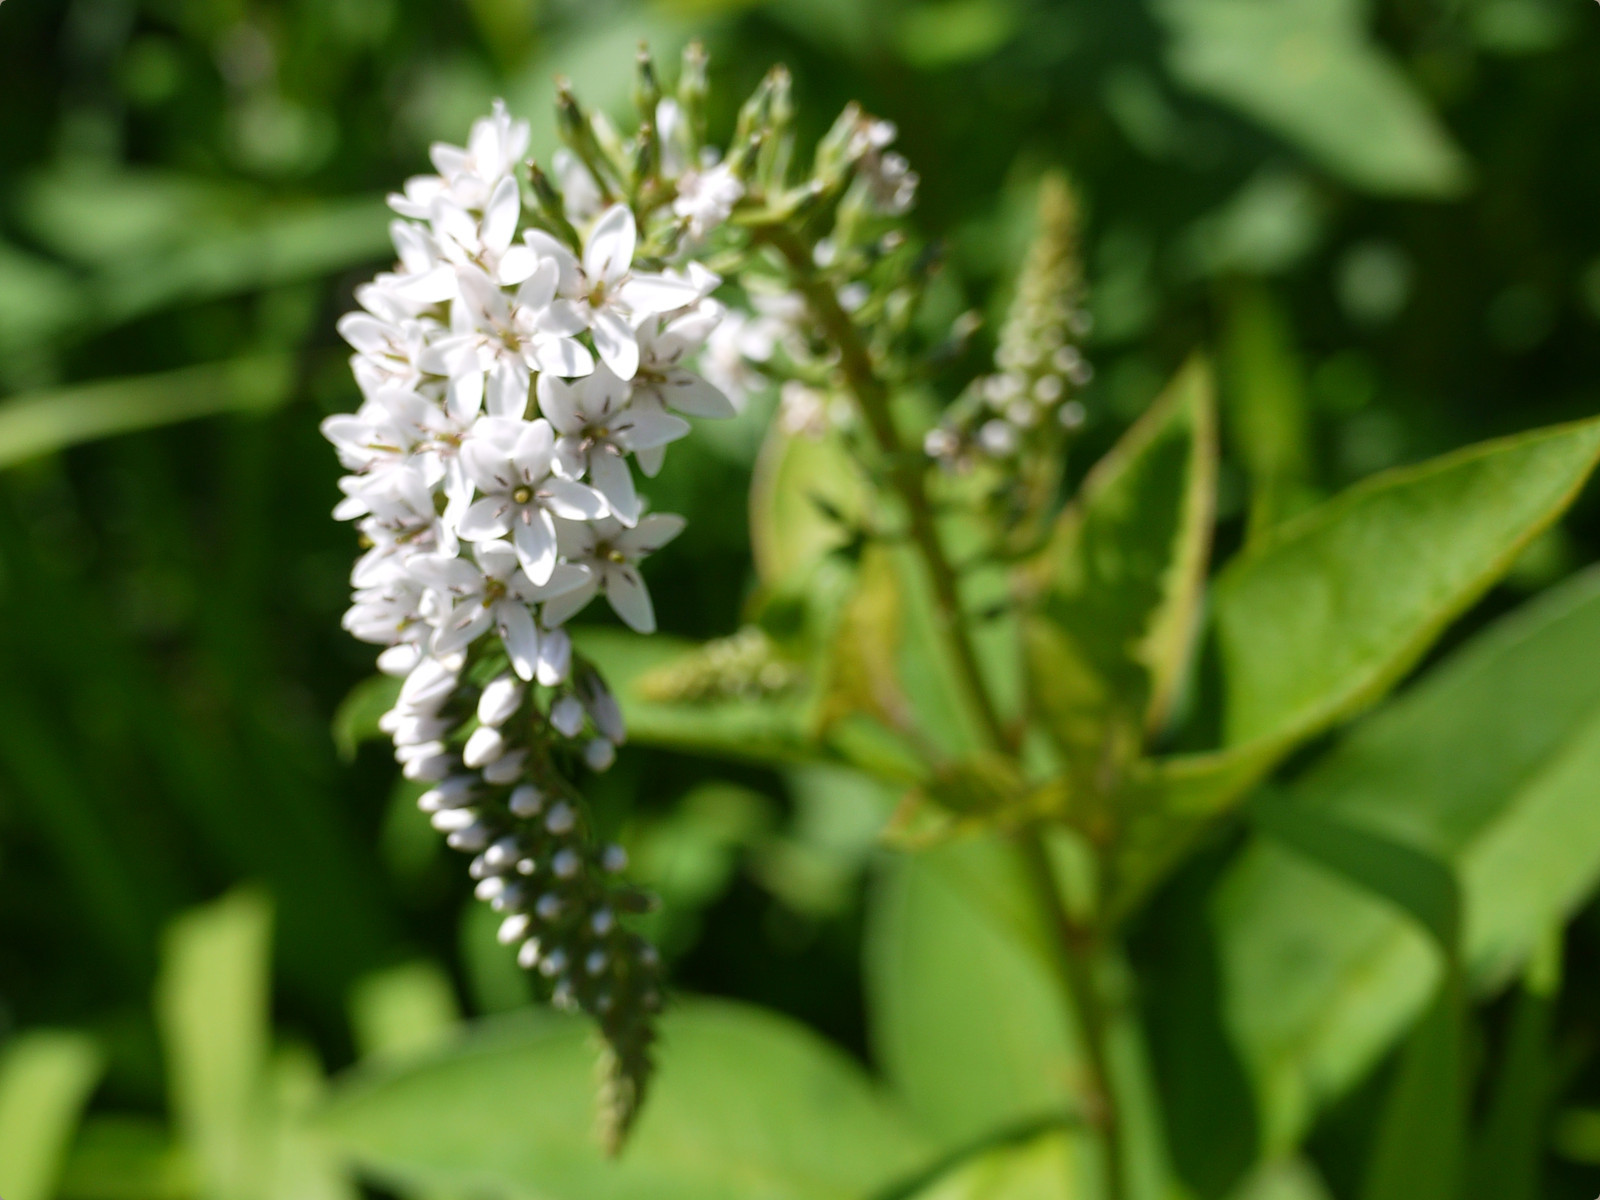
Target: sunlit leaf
356, 719
1307, 70
747, 1104
1336, 605
806, 495
403, 1010
1120, 585
1490, 764
45, 422
212, 1011
46, 1078
1048, 1167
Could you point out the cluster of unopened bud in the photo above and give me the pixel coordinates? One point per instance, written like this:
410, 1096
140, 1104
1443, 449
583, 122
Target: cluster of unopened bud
745, 665
490, 751
1027, 404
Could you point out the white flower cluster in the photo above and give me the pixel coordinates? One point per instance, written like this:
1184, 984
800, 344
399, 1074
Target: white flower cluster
491, 459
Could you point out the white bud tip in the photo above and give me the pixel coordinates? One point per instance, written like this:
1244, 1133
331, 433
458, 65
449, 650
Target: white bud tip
513, 928
526, 801
614, 858
562, 818
566, 864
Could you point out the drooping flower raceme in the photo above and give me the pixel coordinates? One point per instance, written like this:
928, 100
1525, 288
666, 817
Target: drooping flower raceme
510, 381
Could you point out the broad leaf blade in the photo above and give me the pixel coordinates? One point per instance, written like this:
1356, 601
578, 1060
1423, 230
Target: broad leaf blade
1308, 71
746, 1104
1490, 764
1053, 1166
45, 1081
1121, 581
212, 1010
1338, 604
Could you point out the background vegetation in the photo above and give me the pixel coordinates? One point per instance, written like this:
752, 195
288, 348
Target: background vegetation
1383, 220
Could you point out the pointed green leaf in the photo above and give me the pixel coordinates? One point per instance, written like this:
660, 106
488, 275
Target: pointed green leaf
747, 1104
1337, 605
966, 1019
806, 493
44, 422
1490, 764
1120, 585
46, 1078
1307, 70
403, 1010
1053, 1166
1423, 1126
211, 1007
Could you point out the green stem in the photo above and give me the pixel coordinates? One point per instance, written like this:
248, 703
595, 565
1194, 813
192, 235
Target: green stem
1074, 949
1076, 952
904, 471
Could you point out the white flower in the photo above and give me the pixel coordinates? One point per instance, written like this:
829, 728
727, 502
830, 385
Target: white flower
609, 293
493, 593
511, 462
706, 198
610, 551
664, 344
599, 428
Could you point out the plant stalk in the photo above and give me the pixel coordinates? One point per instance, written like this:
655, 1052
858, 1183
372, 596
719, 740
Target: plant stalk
904, 472
1074, 947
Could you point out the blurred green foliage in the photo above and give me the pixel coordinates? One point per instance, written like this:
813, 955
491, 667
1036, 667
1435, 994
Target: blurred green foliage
1384, 214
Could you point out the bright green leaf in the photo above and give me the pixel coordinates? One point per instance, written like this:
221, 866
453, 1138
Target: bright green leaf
804, 497
356, 719
1422, 1129
46, 1077
117, 1157
1490, 764
303, 1168
1307, 70
211, 1007
1049, 1167
403, 1010
1121, 581
966, 1019
1336, 605
45, 422
747, 1106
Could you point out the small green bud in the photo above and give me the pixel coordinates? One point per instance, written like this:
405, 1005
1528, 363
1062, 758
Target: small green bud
646, 87
692, 91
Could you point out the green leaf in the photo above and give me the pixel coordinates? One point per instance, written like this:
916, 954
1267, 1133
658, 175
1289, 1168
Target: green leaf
747, 1104
1053, 1166
805, 495
966, 1020
44, 422
1422, 1130
1122, 579
1490, 765
1335, 606
1266, 407
1413, 880
1307, 70
1506, 1158
302, 1167
1283, 1179
211, 1008
765, 730
118, 1157
403, 1010
356, 719
46, 1078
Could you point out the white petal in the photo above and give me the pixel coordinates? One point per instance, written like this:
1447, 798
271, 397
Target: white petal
688, 393
555, 657
573, 501
611, 476
516, 265
629, 597
484, 298
519, 635
498, 560
507, 392
567, 577
539, 284
652, 533
534, 449
367, 334
608, 253
486, 519
465, 398
560, 609
558, 403
534, 536
560, 356
613, 338
500, 216
466, 623
650, 459
565, 260
656, 293
487, 466
644, 427
434, 286
563, 317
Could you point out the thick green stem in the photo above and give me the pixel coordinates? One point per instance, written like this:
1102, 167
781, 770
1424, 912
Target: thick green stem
1075, 954
1074, 949
905, 472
